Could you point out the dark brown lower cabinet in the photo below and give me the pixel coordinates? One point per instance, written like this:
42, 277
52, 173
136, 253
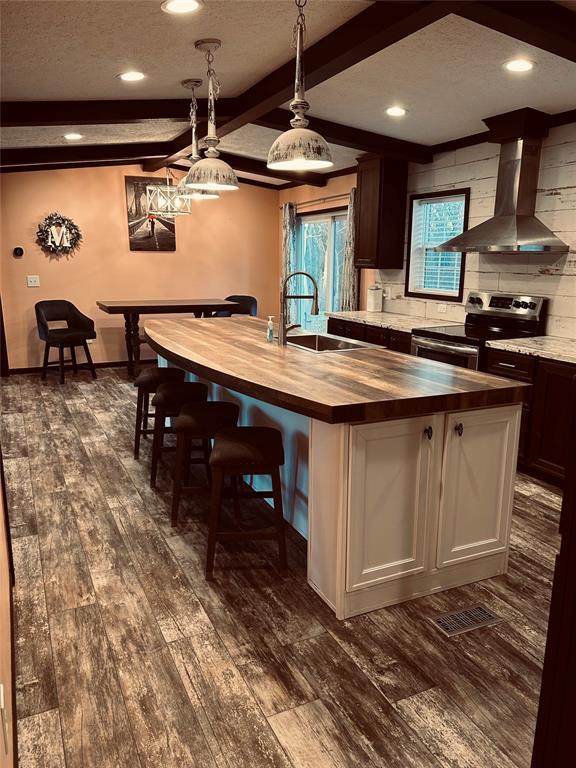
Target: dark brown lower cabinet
549, 438
400, 341
347, 328
397, 341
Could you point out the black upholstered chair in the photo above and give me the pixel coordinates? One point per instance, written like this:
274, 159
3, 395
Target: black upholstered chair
79, 328
248, 306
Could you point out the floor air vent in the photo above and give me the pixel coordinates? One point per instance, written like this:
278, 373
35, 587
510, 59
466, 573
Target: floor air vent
457, 622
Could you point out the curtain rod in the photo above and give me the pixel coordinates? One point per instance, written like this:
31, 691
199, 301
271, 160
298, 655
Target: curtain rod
321, 199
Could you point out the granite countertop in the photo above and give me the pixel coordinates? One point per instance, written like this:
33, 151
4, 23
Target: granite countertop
551, 347
367, 384
392, 320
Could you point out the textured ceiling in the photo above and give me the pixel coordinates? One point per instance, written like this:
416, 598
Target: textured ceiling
448, 76
72, 49
255, 141
124, 133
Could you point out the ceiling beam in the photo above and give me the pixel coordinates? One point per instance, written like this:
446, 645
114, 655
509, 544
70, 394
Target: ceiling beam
108, 112
355, 138
541, 23
22, 157
259, 167
379, 26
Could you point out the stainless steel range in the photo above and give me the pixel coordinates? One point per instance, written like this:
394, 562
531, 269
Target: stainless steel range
489, 316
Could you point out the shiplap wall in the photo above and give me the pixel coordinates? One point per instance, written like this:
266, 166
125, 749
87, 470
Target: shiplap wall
553, 276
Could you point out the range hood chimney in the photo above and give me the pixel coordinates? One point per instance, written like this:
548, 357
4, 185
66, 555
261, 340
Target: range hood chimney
514, 229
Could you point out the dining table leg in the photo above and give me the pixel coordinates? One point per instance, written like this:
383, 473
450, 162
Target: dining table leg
132, 336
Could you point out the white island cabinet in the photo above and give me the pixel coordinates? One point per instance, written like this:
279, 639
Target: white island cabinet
404, 508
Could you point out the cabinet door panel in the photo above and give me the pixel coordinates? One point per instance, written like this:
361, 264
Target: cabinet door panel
391, 474
477, 483
549, 430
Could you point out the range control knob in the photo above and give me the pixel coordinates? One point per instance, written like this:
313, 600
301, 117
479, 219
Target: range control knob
472, 300
516, 304
524, 304
532, 305
479, 301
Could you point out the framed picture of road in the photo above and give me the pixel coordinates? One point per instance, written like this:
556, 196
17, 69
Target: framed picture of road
147, 231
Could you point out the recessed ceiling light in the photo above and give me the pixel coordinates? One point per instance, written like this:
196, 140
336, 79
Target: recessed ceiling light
396, 111
131, 77
180, 6
73, 136
518, 65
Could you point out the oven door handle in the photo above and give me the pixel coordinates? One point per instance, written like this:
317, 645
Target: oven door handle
445, 346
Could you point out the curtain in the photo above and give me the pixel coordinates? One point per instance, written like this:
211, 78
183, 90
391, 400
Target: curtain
288, 249
349, 284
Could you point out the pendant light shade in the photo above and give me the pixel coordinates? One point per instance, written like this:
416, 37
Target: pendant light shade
211, 174
299, 149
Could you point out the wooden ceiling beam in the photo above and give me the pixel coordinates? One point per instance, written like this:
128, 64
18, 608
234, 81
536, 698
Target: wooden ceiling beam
354, 138
109, 112
541, 23
250, 165
22, 157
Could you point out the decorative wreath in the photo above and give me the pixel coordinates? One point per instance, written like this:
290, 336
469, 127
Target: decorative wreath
58, 234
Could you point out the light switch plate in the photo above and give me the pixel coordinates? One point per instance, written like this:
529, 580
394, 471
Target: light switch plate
441, 307
33, 281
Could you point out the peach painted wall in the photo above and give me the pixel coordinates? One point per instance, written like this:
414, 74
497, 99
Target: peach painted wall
339, 185
225, 246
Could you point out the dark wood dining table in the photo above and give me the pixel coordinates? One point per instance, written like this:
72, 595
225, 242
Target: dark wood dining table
133, 309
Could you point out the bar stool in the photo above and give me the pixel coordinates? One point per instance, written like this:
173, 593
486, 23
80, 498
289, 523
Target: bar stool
168, 402
241, 451
147, 382
197, 422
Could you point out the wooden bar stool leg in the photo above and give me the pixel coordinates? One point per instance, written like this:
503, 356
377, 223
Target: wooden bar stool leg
207, 447
279, 516
235, 500
45, 363
214, 520
138, 430
89, 359
73, 358
61, 352
145, 412
157, 443
180, 468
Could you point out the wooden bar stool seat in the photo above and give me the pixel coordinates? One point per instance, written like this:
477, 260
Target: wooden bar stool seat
197, 422
241, 451
168, 401
148, 382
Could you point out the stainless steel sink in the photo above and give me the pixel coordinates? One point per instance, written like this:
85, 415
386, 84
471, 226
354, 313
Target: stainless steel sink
315, 342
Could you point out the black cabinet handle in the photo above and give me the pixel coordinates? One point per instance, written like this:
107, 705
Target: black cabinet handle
459, 429
429, 432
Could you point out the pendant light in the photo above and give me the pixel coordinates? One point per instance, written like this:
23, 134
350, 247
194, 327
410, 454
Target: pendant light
211, 173
299, 148
185, 192
162, 200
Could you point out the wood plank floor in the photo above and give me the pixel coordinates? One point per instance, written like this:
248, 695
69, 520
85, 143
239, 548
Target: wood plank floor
126, 656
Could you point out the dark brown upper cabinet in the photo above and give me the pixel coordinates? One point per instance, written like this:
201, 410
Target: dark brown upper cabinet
381, 212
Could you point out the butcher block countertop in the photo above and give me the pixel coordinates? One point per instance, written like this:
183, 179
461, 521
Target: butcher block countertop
369, 384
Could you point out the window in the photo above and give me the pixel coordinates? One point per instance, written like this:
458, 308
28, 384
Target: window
435, 218
321, 239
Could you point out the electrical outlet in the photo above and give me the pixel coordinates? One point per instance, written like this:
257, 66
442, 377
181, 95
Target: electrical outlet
33, 281
441, 307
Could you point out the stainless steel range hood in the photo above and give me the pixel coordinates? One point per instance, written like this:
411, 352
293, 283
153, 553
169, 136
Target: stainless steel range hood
513, 229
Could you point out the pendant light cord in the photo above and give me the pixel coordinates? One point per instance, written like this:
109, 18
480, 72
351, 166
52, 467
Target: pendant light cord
194, 124
212, 139
299, 106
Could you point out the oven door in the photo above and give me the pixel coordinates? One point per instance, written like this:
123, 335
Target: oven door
453, 353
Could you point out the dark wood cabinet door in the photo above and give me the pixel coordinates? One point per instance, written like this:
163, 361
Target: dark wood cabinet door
549, 435
337, 327
381, 212
377, 335
400, 341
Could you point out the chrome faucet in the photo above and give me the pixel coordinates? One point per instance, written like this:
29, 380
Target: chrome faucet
284, 296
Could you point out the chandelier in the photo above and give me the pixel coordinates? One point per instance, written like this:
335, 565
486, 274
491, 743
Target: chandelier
162, 200
185, 191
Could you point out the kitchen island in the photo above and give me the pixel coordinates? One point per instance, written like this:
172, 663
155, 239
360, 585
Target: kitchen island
399, 470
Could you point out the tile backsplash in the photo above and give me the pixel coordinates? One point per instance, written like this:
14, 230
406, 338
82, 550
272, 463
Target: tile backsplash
547, 275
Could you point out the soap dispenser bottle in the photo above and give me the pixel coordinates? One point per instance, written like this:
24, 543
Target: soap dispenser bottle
270, 329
